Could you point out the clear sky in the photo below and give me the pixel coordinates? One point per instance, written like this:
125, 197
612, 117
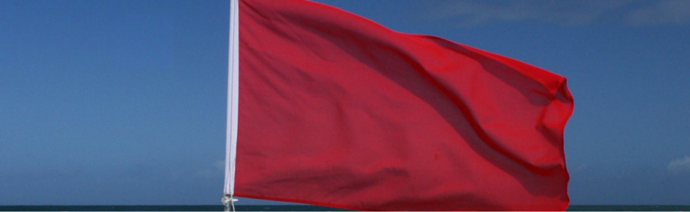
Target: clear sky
123, 101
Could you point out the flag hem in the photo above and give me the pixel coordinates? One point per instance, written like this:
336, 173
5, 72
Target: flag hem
233, 100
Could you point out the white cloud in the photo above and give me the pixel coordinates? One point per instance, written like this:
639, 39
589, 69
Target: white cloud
580, 12
681, 165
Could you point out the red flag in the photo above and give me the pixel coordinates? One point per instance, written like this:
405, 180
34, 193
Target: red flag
336, 110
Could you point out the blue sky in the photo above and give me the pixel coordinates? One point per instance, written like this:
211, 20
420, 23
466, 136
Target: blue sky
123, 101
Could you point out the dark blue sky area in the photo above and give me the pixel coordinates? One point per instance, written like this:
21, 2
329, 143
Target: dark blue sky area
123, 101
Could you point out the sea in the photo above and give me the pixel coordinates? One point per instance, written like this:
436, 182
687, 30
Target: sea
294, 208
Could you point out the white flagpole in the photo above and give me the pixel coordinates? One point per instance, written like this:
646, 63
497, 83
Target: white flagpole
233, 93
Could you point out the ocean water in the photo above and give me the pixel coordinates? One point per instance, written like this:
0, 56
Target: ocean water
296, 208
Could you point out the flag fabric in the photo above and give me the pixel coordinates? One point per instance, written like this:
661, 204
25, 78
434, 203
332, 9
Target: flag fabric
336, 110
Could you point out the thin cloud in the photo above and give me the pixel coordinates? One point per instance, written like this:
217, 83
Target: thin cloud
681, 165
569, 13
220, 165
664, 12
578, 168
216, 170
